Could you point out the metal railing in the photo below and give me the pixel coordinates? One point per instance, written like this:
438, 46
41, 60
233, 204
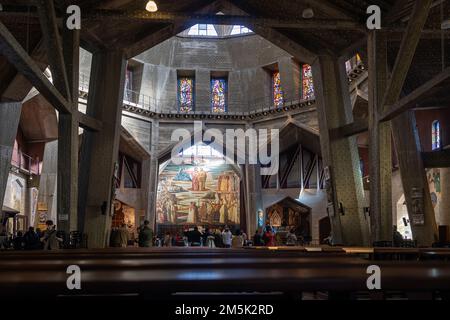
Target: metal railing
160, 105
25, 162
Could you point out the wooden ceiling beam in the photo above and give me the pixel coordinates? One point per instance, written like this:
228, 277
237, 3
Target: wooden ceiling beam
436, 159
17, 56
411, 100
88, 122
173, 17
53, 43
407, 50
352, 129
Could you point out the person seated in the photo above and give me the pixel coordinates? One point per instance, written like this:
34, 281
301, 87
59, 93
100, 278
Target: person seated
167, 239
257, 239
31, 240
291, 238
269, 237
18, 241
398, 238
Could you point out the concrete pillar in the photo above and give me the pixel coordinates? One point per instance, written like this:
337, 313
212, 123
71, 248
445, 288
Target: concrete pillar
67, 172
202, 90
290, 77
340, 155
48, 180
9, 122
150, 173
105, 104
254, 197
445, 198
414, 180
380, 148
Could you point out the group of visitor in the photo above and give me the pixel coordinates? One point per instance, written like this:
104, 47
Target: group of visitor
32, 239
212, 238
270, 238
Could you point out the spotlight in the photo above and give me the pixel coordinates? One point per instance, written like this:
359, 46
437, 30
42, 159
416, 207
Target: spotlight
308, 13
161, 115
243, 118
151, 6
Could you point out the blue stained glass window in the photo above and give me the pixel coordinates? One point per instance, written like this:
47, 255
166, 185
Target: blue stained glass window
218, 95
436, 135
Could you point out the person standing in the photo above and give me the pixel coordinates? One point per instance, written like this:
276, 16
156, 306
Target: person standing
123, 235
227, 237
51, 241
257, 239
146, 235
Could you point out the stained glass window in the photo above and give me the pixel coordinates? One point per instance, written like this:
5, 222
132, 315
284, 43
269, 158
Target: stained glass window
307, 83
277, 90
436, 135
218, 95
186, 94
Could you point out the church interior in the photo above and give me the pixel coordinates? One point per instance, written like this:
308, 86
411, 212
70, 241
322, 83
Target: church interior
225, 146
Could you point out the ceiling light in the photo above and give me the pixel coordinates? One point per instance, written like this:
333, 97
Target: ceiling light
308, 13
151, 6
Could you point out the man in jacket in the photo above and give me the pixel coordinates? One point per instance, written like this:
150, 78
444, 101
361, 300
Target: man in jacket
145, 235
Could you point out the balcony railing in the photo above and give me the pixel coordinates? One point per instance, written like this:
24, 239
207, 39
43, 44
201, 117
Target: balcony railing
25, 163
142, 101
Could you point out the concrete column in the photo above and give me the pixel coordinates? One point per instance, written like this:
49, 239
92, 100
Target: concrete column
9, 122
445, 198
48, 180
202, 90
105, 104
340, 155
254, 198
67, 172
414, 180
380, 148
288, 74
150, 175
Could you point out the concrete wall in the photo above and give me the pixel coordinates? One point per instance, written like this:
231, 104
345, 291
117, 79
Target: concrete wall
245, 60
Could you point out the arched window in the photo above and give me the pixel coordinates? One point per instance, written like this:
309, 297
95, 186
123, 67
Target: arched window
277, 90
186, 94
218, 95
436, 135
307, 83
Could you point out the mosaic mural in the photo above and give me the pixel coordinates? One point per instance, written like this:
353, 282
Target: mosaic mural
199, 191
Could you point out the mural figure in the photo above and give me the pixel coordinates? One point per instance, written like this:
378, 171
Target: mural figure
198, 192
